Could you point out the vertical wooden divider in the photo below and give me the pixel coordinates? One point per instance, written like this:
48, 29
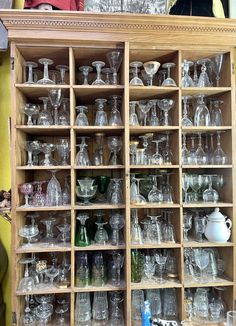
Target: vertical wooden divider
127, 185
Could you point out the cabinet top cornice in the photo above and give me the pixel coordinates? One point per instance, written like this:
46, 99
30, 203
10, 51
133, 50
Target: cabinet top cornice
29, 24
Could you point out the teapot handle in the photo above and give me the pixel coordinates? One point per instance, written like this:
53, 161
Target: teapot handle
228, 222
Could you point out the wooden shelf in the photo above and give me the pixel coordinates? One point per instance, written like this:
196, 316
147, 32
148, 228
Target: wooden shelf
44, 130
38, 168
196, 244
189, 283
150, 92
155, 205
95, 247
226, 166
146, 167
145, 285
137, 130
38, 249
36, 90
99, 206
42, 209
205, 129
108, 130
46, 290
163, 245
204, 90
206, 205
99, 167
87, 94
107, 287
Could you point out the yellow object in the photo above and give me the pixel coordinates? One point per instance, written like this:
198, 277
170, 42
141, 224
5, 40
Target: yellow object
218, 9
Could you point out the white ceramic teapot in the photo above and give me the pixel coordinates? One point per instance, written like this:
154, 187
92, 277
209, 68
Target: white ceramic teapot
218, 227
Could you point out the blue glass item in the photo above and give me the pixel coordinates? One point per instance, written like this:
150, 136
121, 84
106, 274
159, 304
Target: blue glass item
146, 314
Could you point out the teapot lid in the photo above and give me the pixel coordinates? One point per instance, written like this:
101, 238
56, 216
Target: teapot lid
216, 215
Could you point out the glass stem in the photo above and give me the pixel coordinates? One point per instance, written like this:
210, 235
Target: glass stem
30, 161
30, 77
26, 200
45, 71
98, 72
63, 72
55, 115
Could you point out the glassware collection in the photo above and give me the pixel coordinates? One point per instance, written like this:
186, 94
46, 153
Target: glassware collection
90, 165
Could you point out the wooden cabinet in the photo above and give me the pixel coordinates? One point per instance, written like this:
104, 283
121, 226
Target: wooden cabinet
78, 39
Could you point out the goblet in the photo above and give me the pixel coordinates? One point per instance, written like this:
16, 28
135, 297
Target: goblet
99, 152
161, 261
86, 191
186, 121
203, 80
114, 144
102, 182
133, 118
64, 116
115, 195
45, 117
30, 110
54, 192
98, 65
107, 72
202, 114
27, 283
184, 151
151, 68
45, 80
186, 80
63, 69
101, 236
115, 58
118, 260
115, 118
117, 223
64, 235
145, 107
49, 237
137, 198
82, 238
154, 119
82, 157
26, 189
210, 194
31, 65
202, 260
29, 232
220, 156
85, 71
81, 119
136, 231
217, 64
165, 105
28, 319
63, 148
60, 311
55, 96
136, 81
101, 116
39, 198
52, 273
187, 225
47, 149
157, 158
30, 147
216, 114
169, 82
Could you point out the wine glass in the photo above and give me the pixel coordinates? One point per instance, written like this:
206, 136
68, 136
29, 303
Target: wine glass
26, 189
220, 156
133, 118
115, 118
136, 81
29, 232
145, 107
187, 225
30, 110
39, 199
216, 114
86, 190
50, 237
107, 72
98, 65
85, 71
195, 183
27, 283
185, 186
114, 58
202, 114
54, 192
161, 262
151, 68
217, 64
63, 69
169, 82
203, 80
165, 105
30, 147
200, 227
101, 116
114, 144
45, 117
186, 121
184, 151
155, 195
30, 65
202, 260
55, 97
45, 80
63, 148
47, 149
137, 198
64, 116
186, 80
115, 194
201, 156
81, 119
154, 120
157, 158
210, 194
52, 273
118, 261
117, 223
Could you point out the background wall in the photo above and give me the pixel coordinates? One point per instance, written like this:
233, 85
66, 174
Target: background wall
5, 180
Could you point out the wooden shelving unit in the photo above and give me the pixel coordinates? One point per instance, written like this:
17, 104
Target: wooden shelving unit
80, 38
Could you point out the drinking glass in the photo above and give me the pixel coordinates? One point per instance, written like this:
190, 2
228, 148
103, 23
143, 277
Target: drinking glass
195, 183
82, 238
116, 193
117, 223
169, 82
107, 72
210, 194
154, 120
220, 156
64, 235
203, 80
200, 227
155, 195
167, 190
101, 236
98, 270
157, 158
114, 58
64, 116
217, 64
136, 81
165, 105
116, 311
82, 157
202, 114
29, 232
45, 117
101, 116
50, 237
98, 65
45, 80
133, 152
186, 121
184, 151
27, 283
81, 119
30, 65
151, 68
54, 192
136, 231
149, 270
185, 186
137, 198
137, 261
136, 304
47, 150
63, 148
201, 156
86, 190
202, 260
26, 189
55, 96
231, 318
186, 80
114, 144
103, 183
154, 297
52, 273
215, 309
30, 110
63, 69
187, 225
31, 146
28, 318
145, 107
115, 118
170, 304
61, 311
83, 312
161, 262
85, 71
99, 152
154, 230
100, 307
133, 118
118, 261
168, 228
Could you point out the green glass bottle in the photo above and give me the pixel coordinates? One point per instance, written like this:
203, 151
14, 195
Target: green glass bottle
82, 238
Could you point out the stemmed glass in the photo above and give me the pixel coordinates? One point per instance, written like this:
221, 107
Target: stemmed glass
195, 182
82, 238
210, 194
149, 269
103, 182
202, 114
117, 223
64, 116
116, 192
138, 199
115, 58
99, 154
203, 80
82, 157
186, 80
49, 223
216, 114
114, 144
136, 81
161, 262
31, 65
200, 227
63, 69
45, 117
184, 151
86, 190
157, 158
44, 311
202, 260
133, 151
29, 232
151, 68
55, 96
45, 80
219, 155
145, 107
30, 110
54, 192
186, 121
27, 283
47, 149
133, 118
63, 149
39, 199
136, 231
81, 119
64, 235
201, 156
107, 72
169, 82
26, 189
154, 120
118, 260
115, 118
185, 186
98, 65
29, 317
61, 310
187, 225
155, 195
167, 190
217, 64
85, 71
52, 273
30, 147
101, 116
165, 105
